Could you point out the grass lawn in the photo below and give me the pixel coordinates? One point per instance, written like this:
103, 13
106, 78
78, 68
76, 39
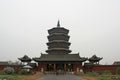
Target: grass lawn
10, 77
99, 77
21, 77
90, 76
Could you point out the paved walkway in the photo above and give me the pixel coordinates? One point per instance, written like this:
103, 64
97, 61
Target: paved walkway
60, 77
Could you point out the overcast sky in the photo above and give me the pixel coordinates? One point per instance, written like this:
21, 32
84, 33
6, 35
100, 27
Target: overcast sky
94, 27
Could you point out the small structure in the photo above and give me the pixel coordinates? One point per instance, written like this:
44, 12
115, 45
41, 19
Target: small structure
27, 67
94, 59
116, 63
25, 59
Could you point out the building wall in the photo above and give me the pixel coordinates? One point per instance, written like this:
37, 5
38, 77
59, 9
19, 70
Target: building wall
2, 67
16, 68
101, 68
77, 67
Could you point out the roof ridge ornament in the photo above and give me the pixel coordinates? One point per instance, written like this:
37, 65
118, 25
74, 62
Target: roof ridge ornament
58, 24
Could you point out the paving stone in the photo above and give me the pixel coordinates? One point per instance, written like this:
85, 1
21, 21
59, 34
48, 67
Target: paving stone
60, 77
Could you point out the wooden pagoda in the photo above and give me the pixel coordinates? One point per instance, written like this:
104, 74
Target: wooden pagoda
58, 57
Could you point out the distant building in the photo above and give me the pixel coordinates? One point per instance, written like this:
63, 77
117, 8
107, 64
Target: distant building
25, 59
94, 59
4, 64
116, 63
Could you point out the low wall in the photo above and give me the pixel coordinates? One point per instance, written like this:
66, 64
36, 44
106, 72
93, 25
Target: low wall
101, 68
2, 67
16, 68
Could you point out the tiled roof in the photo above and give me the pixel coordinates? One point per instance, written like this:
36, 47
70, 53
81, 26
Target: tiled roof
4, 63
25, 58
65, 57
94, 58
116, 63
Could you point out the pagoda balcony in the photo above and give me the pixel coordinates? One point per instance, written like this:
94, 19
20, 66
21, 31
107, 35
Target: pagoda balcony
58, 50
58, 37
57, 43
51, 47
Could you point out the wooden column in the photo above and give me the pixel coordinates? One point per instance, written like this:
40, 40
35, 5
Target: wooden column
64, 67
45, 67
54, 67
39, 67
74, 67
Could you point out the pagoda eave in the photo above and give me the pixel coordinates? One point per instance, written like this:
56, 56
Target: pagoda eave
50, 50
65, 42
24, 60
56, 29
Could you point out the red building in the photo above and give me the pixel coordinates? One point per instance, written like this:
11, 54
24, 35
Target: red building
5, 64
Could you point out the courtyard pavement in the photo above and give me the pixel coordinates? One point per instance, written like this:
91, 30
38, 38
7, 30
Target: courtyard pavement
60, 77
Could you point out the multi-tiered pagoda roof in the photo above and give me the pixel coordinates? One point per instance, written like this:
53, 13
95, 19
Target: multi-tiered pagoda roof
58, 46
58, 40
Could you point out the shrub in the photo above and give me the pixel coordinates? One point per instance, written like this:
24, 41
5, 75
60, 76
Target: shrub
24, 71
2, 73
106, 73
93, 74
8, 70
118, 71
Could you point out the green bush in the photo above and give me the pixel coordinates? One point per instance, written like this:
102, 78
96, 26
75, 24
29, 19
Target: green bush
105, 78
2, 73
106, 73
93, 74
8, 70
24, 71
118, 71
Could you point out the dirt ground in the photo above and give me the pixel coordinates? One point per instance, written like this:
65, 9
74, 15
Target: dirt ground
32, 77
88, 78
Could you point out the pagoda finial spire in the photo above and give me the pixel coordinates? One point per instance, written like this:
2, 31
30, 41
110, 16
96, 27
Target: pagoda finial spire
58, 23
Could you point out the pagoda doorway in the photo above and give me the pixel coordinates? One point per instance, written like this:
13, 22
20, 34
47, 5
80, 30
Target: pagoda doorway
60, 67
50, 67
69, 67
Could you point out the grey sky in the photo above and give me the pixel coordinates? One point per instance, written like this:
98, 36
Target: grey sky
94, 27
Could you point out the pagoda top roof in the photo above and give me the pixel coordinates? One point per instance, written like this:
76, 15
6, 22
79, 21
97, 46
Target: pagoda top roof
95, 58
65, 57
25, 58
58, 24
58, 29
